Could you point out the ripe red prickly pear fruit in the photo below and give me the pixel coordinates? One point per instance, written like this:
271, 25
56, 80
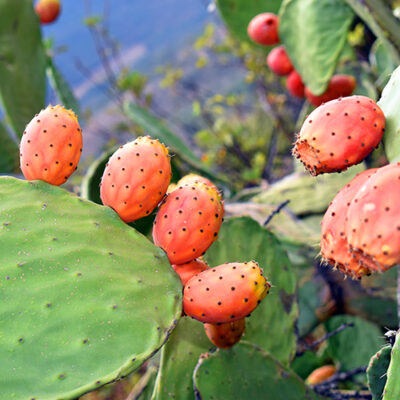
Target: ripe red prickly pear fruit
193, 179
279, 62
190, 269
225, 293
373, 225
334, 246
339, 134
188, 222
136, 178
226, 335
295, 85
263, 29
339, 86
321, 374
51, 146
48, 10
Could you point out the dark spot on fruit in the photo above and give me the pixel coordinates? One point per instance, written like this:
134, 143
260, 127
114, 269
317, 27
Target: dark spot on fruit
333, 133
219, 303
255, 282
70, 144
220, 277
246, 300
387, 208
242, 276
57, 162
333, 214
207, 289
233, 288
366, 220
184, 229
200, 213
348, 137
177, 198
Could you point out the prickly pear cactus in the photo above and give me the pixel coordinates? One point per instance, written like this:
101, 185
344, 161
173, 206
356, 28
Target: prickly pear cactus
178, 359
392, 387
376, 372
221, 376
389, 103
85, 299
243, 239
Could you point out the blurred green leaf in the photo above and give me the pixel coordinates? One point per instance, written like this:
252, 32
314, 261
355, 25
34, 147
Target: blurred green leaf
61, 87
22, 63
153, 126
354, 346
93, 20
381, 62
314, 33
238, 13
389, 102
9, 153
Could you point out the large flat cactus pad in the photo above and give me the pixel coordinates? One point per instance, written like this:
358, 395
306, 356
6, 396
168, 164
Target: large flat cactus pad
84, 298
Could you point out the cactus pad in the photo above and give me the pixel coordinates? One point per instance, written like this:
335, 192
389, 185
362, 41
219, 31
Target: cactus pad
376, 372
245, 372
85, 298
243, 239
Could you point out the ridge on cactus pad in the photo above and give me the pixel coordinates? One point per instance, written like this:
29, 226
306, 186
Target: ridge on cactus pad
85, 299
51, 146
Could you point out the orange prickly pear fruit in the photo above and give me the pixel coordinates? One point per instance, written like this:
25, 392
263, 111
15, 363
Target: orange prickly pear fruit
48, 10
279, 62
295, 85
372, 222
193, 179
225, 293
334, 246
321, 374
339, 86
136, 178
51, 146
190, 269
225, 335
188, 222
263, 29
339, 134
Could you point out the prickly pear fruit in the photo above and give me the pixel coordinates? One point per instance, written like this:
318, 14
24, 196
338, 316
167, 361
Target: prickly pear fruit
339, 86
339, 134
295, 85
279, 62
226, 335
225, 293
136, 178
48, 10
51, 146
263, 29
193, 179
190, 269
373, 226
188, 222
334, 246
321, 374
171, 188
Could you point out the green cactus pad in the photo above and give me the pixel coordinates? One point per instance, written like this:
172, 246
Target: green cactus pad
307, 194
389, 103
245, 372
392, 387
85, 298
376, 372
243, 239
178, 360
354, 346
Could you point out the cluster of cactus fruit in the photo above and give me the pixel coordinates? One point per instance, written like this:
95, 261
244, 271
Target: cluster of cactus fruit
360, 232
135, 182
263, 29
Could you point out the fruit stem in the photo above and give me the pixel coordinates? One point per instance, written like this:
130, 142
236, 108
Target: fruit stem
380, 19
